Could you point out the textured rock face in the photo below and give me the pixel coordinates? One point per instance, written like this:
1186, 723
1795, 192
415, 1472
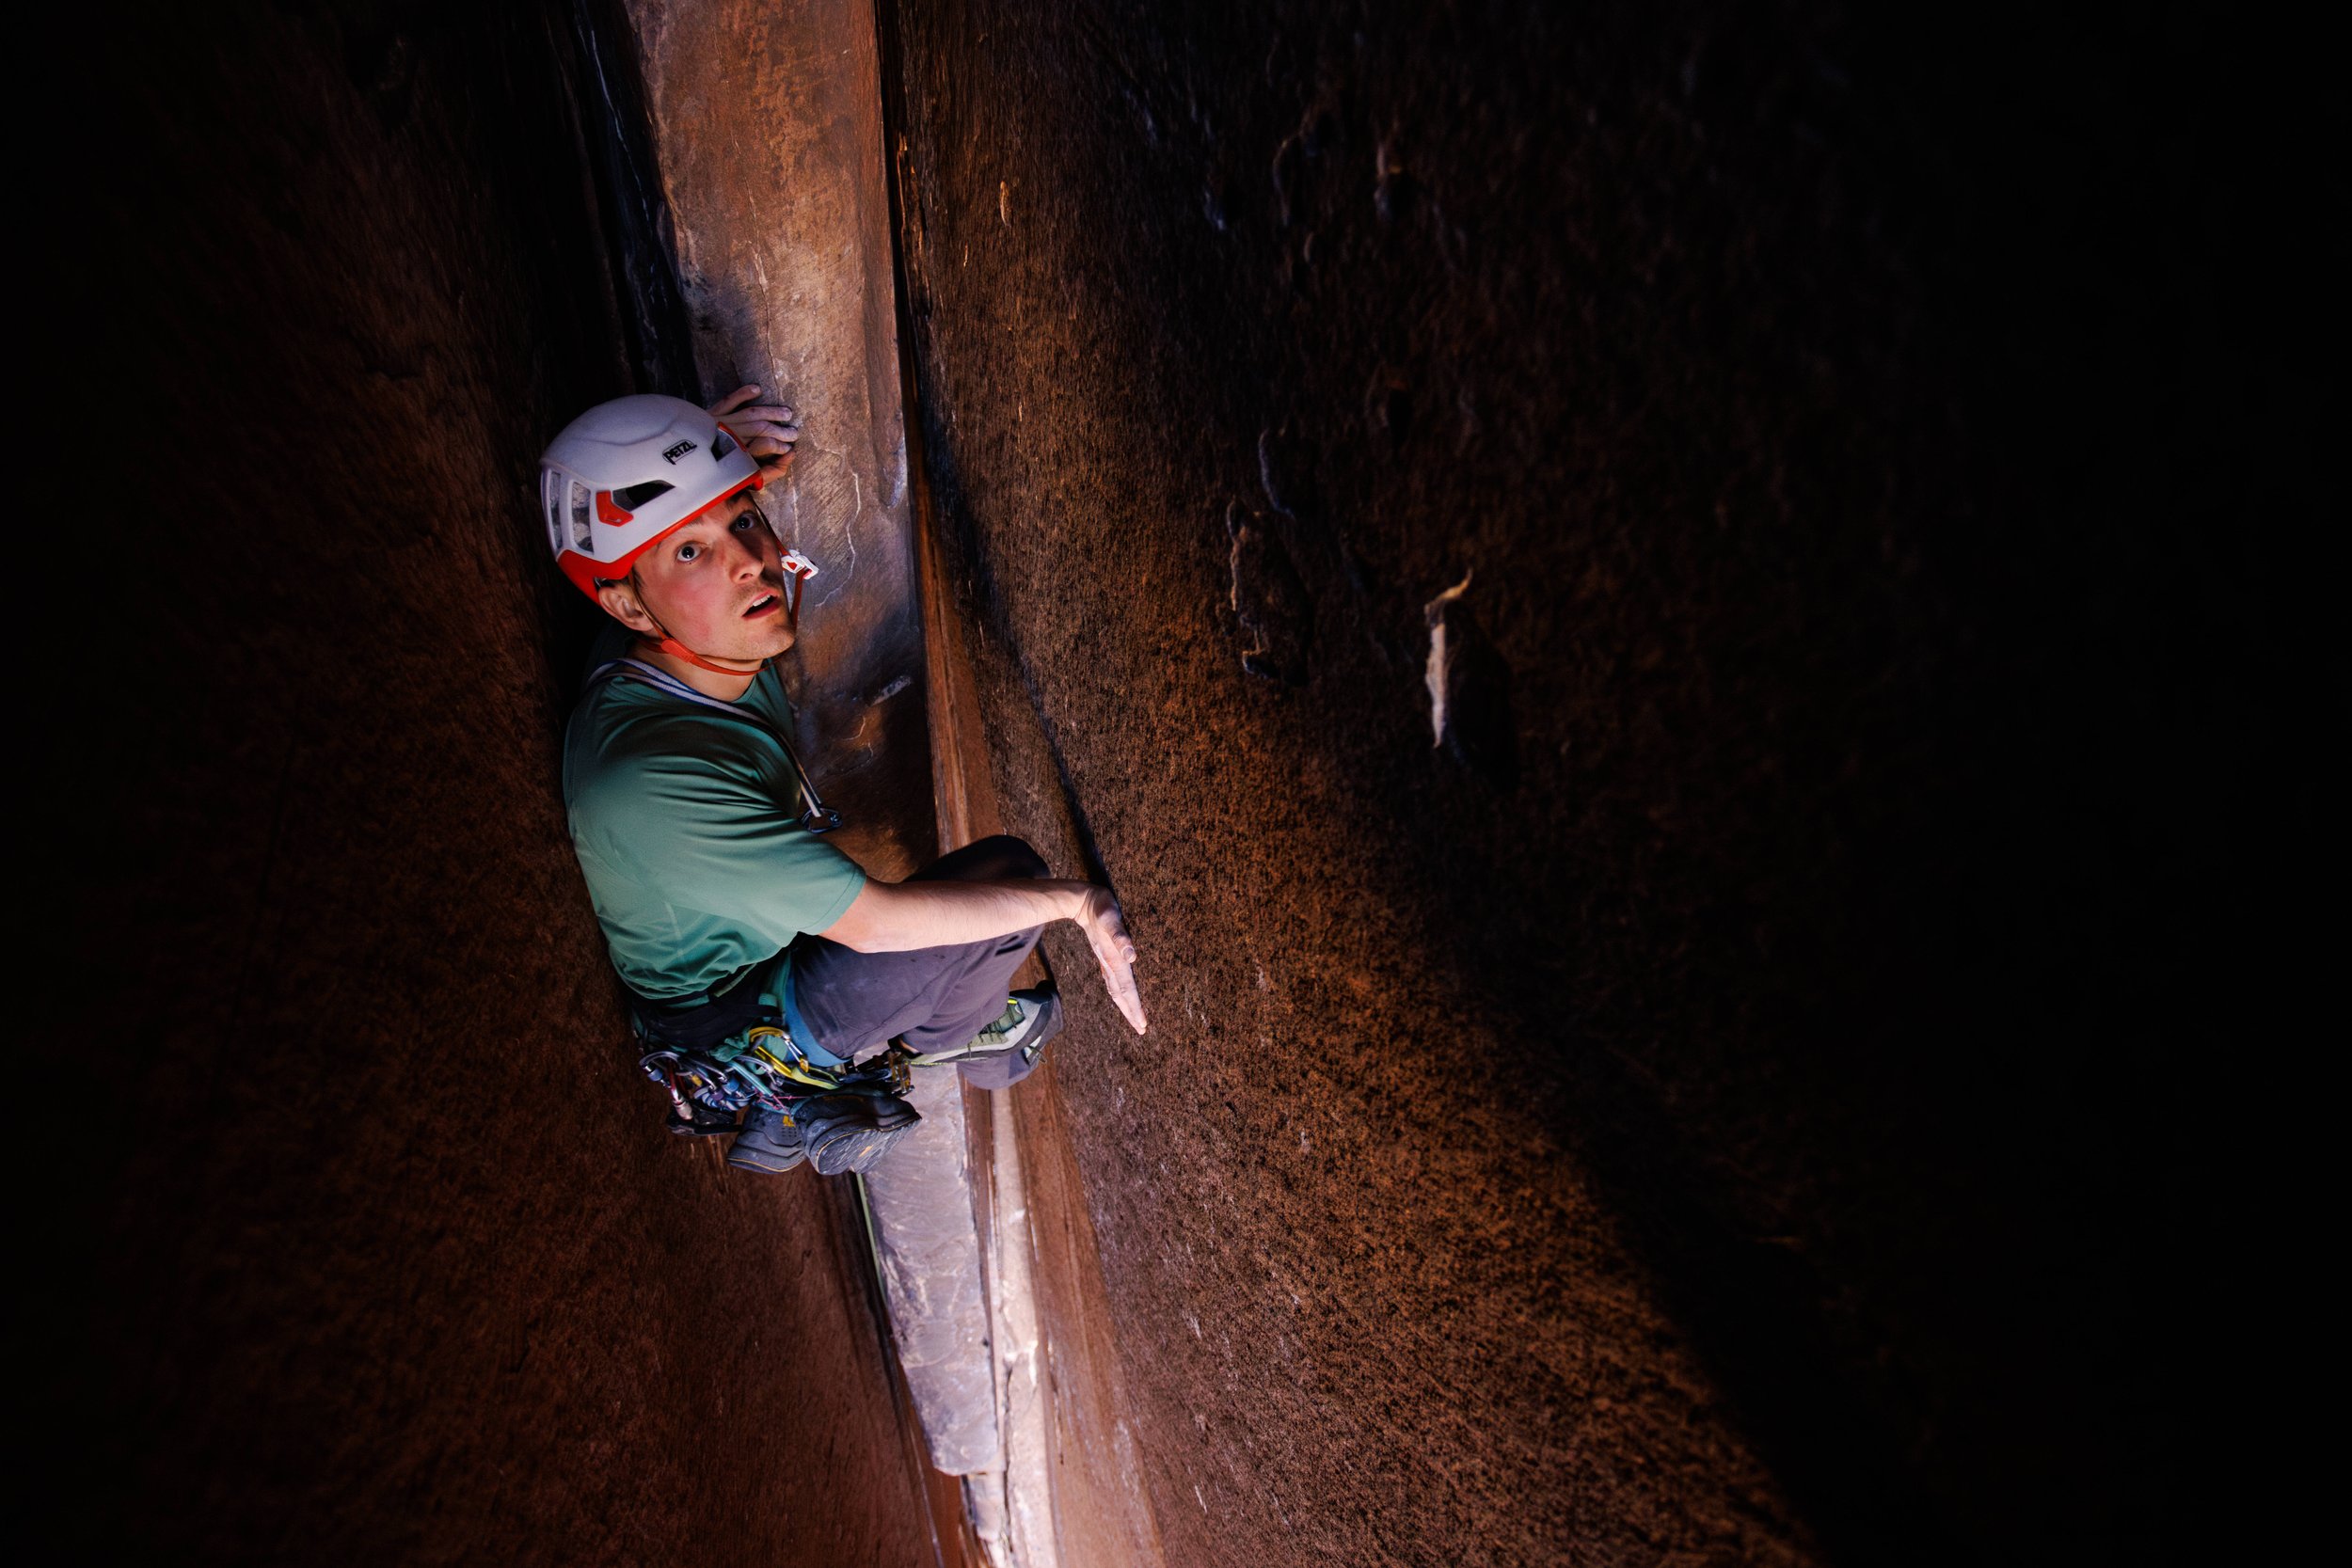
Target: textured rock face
1673, 1117
394, 1263
931, 1271
767, 125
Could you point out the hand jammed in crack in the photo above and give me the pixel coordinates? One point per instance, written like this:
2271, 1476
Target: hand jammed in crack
767, 430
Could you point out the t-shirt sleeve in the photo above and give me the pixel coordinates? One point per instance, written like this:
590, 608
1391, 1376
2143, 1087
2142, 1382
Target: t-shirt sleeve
701, 838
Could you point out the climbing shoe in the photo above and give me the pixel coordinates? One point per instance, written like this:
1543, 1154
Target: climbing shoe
846, 1133
768, 1143
1007, 1051
1030, 1019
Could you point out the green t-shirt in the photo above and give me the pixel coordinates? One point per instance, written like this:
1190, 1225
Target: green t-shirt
686, 821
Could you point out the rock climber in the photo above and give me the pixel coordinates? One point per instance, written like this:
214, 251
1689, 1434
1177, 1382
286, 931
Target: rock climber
767, 972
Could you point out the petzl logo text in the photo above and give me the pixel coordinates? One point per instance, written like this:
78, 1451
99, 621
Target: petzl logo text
680, 451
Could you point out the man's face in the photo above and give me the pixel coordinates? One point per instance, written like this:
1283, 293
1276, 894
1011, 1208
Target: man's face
716, 584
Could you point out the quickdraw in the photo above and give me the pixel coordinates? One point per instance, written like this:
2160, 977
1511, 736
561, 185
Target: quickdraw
707, 1095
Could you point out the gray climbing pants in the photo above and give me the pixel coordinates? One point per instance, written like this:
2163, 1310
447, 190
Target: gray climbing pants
846, 1002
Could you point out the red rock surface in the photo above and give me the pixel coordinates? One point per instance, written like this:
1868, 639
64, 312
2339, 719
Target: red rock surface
1727, 1103
766, 131
395, 1264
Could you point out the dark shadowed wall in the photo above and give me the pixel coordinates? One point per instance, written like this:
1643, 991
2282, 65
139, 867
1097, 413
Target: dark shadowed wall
393, 1262
1754, 1092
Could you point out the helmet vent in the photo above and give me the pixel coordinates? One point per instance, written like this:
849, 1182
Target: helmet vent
635, 496
552, 506
722, 445
582, 537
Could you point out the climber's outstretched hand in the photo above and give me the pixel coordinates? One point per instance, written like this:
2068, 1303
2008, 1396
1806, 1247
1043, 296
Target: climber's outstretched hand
1106, 932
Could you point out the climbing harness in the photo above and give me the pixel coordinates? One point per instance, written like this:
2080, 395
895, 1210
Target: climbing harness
707, 1094
686, 1048
685, 1054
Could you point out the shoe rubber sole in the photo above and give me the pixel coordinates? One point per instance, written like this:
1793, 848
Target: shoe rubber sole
769, 1161
845, 1150
850, 1132
1043, 1022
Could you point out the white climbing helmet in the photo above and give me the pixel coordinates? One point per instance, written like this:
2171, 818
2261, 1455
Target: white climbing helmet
628, 471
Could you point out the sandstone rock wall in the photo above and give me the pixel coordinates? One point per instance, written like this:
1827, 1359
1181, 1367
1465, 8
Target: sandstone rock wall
1713, 1092
392, 1260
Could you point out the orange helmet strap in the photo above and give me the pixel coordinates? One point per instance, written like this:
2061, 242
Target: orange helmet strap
676, 649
